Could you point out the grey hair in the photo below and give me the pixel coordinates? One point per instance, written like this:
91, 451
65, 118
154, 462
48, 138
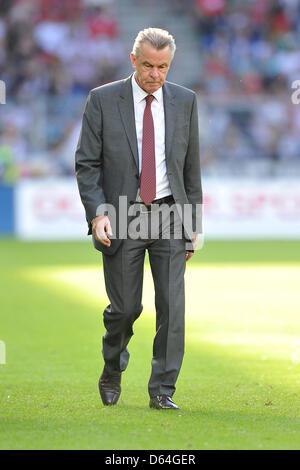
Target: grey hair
158, 38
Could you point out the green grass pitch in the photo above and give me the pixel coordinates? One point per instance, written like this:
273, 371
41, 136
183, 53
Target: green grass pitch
240, 380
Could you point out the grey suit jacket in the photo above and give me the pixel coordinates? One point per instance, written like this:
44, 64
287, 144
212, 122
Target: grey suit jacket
106, 159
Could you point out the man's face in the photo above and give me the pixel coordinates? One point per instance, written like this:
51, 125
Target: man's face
151, 67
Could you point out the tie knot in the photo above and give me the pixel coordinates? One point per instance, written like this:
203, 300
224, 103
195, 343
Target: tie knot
149, 99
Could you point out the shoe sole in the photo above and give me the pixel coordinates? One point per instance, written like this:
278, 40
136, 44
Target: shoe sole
155, 407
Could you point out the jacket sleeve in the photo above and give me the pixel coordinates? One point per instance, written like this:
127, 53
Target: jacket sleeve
192, 172
88, 164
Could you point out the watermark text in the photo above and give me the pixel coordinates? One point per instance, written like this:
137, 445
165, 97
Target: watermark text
2, 92
2, 352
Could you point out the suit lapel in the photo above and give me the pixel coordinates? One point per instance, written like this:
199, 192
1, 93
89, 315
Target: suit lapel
170, 118
126, 107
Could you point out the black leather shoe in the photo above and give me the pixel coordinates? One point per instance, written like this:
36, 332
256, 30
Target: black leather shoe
110, 387
163, 402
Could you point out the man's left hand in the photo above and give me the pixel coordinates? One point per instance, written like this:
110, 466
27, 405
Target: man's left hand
189, 254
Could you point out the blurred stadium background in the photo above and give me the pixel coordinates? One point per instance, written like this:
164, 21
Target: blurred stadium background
241, 57
239, 386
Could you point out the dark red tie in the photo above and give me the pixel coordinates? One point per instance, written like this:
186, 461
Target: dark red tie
148, 173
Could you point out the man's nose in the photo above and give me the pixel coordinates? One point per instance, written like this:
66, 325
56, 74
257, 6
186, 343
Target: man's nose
154, 73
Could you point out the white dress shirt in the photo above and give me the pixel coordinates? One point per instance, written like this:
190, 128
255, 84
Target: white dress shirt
158, 114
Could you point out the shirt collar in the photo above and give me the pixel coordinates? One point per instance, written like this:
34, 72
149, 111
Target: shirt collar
139, 94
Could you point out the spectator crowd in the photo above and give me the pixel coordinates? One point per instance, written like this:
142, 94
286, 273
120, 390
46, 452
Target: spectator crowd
52, 52
250, 60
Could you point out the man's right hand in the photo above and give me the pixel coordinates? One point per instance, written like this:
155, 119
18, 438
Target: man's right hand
101, 228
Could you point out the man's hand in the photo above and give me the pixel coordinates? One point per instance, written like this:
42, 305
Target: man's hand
101, 228
189, 254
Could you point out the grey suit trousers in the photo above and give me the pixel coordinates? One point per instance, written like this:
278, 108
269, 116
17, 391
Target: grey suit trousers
123, 272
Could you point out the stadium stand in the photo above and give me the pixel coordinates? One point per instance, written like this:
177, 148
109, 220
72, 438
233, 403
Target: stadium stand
240, 57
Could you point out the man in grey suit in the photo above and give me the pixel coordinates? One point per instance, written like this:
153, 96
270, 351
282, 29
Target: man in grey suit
138, 153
